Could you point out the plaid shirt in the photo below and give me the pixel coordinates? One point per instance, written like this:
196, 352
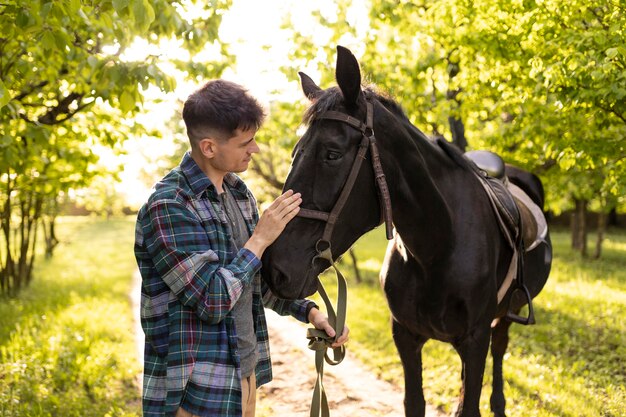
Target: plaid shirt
192, 275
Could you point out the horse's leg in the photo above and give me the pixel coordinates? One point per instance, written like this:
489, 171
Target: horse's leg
410, 349
473, 352
499, 343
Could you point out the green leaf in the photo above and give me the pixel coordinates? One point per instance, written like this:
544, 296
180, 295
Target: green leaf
92, 61
5, 96
48, 42
127, 102
45, 9
120, 5
74, 6
144, 14
23, 18
611, 53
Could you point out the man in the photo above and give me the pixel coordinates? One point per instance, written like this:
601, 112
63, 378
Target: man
198, 245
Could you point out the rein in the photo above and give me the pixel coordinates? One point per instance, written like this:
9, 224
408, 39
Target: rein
319, 341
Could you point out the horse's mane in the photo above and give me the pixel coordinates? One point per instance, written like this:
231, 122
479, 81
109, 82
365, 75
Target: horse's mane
329, 99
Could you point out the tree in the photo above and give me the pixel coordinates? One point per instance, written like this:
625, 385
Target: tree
65, 87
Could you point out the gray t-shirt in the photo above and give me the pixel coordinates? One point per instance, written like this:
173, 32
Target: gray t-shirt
242, 311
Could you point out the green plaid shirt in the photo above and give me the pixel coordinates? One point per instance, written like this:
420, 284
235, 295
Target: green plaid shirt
192, 275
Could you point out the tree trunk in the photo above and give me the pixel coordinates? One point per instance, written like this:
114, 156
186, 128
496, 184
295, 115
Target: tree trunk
20, 239
8, 265
49, 233
574, 225
458, 133
357, 272
602, 222
457, 128
612, 218
579, 226
48, 222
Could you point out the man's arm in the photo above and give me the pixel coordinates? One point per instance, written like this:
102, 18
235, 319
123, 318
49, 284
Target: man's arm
178, 245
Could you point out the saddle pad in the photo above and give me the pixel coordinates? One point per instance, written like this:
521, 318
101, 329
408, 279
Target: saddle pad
504, 207
537, 214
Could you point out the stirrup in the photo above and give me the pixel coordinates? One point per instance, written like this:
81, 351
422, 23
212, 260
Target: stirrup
530, 319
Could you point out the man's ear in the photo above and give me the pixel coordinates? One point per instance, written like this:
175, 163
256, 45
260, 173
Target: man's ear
207, 147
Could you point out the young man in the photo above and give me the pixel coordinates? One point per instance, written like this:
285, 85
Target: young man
198, 245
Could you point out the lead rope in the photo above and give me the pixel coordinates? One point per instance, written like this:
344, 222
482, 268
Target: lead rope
320, 342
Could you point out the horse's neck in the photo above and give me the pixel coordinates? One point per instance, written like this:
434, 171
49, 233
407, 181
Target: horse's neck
420, 213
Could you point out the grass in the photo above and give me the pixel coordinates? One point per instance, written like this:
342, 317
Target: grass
67, 343
571, 363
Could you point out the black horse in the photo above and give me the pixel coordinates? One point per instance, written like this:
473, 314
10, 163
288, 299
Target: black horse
448, 256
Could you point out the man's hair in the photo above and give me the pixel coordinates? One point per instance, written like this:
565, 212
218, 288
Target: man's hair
218, 109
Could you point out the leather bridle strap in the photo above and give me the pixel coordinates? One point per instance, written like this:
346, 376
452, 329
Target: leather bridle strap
368, 141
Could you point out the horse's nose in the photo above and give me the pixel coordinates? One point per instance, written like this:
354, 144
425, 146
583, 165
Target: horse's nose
289, 280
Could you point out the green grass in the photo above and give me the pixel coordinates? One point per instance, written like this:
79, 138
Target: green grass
67, 343
67, 346
571, 363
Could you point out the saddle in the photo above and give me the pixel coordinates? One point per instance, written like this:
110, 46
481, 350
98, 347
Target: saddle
518, 215
521, 221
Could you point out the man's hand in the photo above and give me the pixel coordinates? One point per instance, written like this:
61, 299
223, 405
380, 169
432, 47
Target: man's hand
320, 321
273, 222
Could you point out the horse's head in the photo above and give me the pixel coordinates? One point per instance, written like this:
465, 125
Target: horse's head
322, 162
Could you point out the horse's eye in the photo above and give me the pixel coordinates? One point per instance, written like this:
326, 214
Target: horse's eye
333, 155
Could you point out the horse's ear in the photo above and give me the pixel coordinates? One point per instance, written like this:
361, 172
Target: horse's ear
310, 89
348, 75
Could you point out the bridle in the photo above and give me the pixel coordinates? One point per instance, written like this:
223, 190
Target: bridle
368, 141
319, 341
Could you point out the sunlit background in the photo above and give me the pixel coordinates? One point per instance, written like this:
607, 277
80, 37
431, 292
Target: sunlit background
257, 35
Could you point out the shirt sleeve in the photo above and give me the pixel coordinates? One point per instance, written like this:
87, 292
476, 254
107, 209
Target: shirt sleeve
179, 246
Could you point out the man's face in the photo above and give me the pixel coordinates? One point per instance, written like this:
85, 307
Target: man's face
234, 154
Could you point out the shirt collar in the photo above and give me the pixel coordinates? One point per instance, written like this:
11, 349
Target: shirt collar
199, 182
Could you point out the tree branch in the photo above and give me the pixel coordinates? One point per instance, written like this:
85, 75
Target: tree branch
30, 90
50, 118
611, 110
268, 173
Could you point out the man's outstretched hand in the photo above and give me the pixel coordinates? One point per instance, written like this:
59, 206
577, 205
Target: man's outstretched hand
273, 222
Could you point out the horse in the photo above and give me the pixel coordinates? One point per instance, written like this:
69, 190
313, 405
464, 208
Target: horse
448, 256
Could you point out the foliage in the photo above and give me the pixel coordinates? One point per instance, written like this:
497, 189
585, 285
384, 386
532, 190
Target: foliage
68, 78
67, 345
568, 364
276, 139
540, 82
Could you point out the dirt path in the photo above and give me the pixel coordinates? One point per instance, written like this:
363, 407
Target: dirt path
351, 389
135, 299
